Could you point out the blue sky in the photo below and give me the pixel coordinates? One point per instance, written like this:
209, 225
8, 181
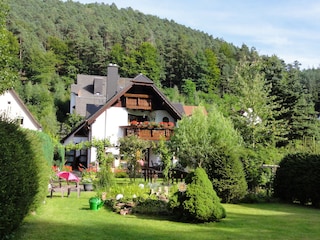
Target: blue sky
289, 29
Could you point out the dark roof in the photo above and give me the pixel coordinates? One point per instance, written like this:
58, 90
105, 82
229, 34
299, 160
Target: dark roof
141, 79
179, 108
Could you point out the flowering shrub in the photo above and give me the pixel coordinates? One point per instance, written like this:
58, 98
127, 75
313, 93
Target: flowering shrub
67, 168
88, 174
134, 122
170, 124
163, 124
147, 124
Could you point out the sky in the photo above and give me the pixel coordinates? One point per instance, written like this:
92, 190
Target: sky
289, 29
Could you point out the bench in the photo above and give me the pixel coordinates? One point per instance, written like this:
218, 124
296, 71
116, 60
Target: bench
63, 187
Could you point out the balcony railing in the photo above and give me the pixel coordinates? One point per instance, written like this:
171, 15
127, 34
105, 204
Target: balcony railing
148, 133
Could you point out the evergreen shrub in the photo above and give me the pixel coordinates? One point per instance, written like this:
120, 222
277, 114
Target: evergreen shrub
199, 202
22, 182
228, 177
43, 149
298, 178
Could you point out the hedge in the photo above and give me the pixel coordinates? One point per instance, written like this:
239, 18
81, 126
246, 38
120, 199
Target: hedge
298, 179
24, 178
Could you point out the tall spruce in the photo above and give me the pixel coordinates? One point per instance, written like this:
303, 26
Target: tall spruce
8, 50
301, 112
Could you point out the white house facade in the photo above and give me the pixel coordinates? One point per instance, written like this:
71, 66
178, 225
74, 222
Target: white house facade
110, 104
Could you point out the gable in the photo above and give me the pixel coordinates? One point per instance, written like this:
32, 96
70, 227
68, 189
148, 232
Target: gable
12, 107
147, 97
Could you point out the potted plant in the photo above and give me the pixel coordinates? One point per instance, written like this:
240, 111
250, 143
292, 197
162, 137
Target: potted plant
154, 125
170, 125
145, 124
163, 124
88, 178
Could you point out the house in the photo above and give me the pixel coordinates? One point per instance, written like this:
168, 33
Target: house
113, 107
13, 108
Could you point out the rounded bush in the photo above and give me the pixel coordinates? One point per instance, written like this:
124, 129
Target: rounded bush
20, 181
199, 203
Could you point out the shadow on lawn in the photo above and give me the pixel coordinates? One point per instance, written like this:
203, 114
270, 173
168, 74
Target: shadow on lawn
244, 221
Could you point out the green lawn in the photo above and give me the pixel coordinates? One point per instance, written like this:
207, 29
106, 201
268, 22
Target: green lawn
70, 218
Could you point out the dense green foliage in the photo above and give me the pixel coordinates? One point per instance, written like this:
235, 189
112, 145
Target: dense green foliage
48, 147
24, 178
133, 149
105, 175
42, 148
210, 141
163, 149
199, 202
9, 51
228, 178
298, 179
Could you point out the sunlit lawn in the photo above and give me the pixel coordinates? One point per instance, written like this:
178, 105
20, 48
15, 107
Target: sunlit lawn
71, 218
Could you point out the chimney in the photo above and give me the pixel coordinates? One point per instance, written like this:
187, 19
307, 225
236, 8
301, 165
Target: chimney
112, 81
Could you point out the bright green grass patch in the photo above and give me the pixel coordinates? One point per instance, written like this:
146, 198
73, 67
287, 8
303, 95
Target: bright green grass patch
71, 219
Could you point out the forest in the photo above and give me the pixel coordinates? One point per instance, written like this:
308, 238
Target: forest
56, 40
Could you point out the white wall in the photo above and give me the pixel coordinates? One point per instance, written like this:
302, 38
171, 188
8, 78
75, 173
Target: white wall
107, 126
13, 110
154, 116
160, 114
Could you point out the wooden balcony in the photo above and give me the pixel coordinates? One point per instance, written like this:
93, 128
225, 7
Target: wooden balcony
153, 134
138, 101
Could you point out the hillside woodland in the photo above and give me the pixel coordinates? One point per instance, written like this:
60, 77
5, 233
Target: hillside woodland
58, 40
270, 102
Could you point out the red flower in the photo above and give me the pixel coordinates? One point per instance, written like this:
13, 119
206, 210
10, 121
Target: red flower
163, 124
134, 122
170, 124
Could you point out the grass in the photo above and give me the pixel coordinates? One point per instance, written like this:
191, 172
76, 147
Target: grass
71, 219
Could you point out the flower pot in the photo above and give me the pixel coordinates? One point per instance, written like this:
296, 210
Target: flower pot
88, 186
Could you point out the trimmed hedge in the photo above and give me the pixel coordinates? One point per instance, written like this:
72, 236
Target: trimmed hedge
24, 177
298, 179
43, 155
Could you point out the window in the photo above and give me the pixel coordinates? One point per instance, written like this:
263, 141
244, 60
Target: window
165, 119
20, 120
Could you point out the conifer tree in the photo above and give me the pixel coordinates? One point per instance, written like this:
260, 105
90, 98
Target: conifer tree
8, 52
198, 202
